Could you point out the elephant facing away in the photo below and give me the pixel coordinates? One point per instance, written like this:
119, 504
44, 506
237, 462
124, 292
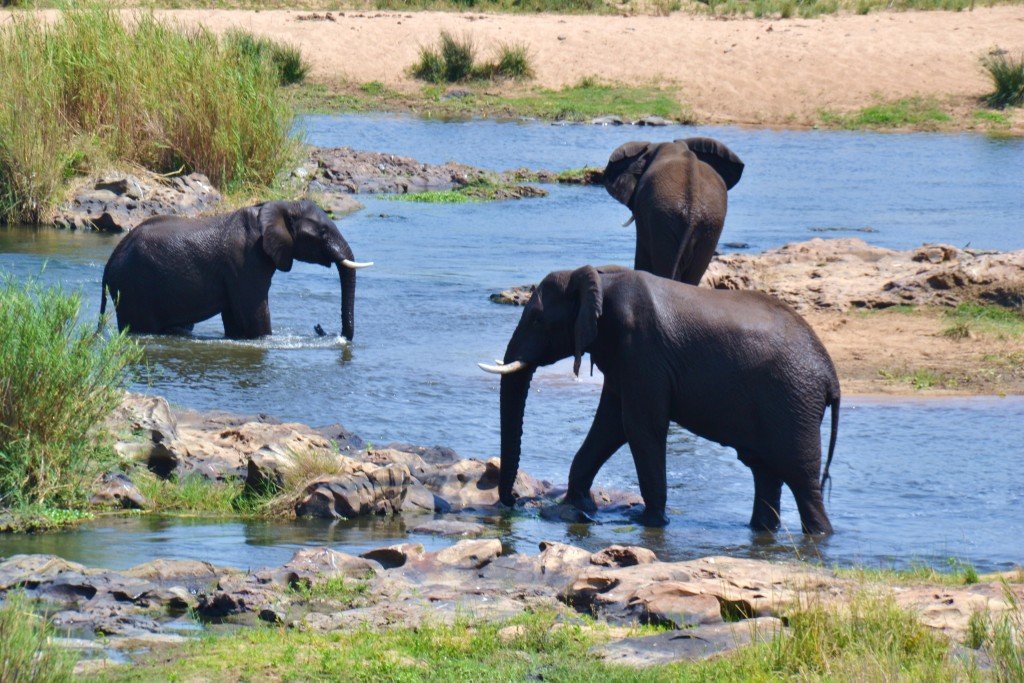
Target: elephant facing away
677, 192
739, 368
170, 272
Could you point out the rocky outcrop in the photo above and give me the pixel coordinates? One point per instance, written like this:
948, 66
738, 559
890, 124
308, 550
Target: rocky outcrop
839, 274
343, 169
117, 202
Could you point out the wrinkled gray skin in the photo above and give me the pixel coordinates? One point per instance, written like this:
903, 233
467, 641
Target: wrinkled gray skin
170, 273
677, 193
736, 367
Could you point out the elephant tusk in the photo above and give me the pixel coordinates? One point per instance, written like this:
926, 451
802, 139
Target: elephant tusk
506, 369
629, 222
355, 265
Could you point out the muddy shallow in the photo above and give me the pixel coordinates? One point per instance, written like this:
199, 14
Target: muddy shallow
914, 480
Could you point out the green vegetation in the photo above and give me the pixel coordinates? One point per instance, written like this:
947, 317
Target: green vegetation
920, 378
337, 589
434, 197
286, 59
58, 379
454, 61
960, 574
1007, 74
998, 321
25, 654
912, 112
196, 495
92, 90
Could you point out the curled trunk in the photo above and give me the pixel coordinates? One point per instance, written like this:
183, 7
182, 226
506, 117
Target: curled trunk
514, 388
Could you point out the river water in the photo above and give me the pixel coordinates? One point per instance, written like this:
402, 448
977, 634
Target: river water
915, 480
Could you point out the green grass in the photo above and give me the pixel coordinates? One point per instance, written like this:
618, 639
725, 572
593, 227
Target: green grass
868, 639
285, 59
920, 378
960, 574
434, 197
58, 380
453, 60
337, 589
195, 495
94, 89
998, 321
590, 98
29, 518
1007, 74
25, 654
912, 112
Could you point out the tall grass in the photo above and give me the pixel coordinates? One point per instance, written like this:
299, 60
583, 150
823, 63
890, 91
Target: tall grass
286, 59
453, 60
92, 89
58, 379
1007, 74
25, 654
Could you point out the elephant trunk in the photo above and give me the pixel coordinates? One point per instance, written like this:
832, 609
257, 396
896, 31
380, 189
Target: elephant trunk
514, 388
347, 276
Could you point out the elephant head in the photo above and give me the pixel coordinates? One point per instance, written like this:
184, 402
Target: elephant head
301, 230
629, 161
559, 321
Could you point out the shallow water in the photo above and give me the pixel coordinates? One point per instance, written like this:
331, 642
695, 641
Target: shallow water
915, 480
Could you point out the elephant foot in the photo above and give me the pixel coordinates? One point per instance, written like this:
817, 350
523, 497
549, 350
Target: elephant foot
565, 513
581, 501
651, 518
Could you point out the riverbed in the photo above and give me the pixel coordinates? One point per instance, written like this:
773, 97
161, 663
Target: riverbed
914, 480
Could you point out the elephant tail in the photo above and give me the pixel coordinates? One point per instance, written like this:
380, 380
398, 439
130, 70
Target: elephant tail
834, 403
103, 301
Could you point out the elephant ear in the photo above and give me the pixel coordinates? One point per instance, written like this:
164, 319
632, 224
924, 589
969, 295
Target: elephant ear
625, 166
585, 284
719, 157
278, 243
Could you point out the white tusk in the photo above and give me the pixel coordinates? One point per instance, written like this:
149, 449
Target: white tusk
629, 222
498, 361
355, 265
508, 369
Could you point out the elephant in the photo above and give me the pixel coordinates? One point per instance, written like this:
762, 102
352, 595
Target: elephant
172, 272
677, 192
739, 368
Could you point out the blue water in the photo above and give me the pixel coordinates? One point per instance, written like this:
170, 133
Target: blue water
915, 480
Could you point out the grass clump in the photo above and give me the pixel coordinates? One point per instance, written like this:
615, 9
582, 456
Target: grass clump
286, 59
589, 98
194, 494
336, 589
513, 61
58, 380
1007, 74
920, 379
911, 112
453, 60
93, 89
25, 653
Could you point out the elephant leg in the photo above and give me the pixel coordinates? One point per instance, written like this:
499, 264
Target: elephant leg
767, 499
813, 518
245, 320
646, 427
605, 437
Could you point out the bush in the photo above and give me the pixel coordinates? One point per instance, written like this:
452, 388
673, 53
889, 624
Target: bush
286, 59
91, 89
453, 60
430, 68
513, 61
58, 380
458, 57
25, 654
1007, 76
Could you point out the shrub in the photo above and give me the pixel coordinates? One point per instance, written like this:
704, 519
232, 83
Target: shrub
1007, 76
25, 654
58, 380
430, 67
91, 89
286, 59
513, 61
458, 57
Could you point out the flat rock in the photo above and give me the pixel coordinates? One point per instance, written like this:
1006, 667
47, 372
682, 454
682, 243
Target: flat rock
116, 490
688, 645
394, 556
346, 170
469, 554
449, 527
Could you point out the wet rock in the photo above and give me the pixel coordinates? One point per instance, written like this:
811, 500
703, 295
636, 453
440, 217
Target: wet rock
379, 491
394, 555
116, 490
117, 202
449, 527
343, 439
566, 513
469, 554
653, 121
607, 121
689, 645
515, 296
474, 483
342, 169
337, 204
623, 556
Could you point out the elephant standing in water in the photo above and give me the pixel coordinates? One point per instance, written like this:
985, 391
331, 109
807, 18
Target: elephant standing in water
677, 193
736, 367
170, 273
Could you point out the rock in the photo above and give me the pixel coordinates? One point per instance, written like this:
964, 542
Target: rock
689, 645
30, 571
447, 527
418, 498
117, 202
116, 490
515, 296
312, 566
653, 121
272, 615
607, 121
623, 556
474, 483
344, 440
469, 554
337, 204
431, 455
379, 491
394, 555
676, 604
737, 245
345, 170
188, 571
566, 513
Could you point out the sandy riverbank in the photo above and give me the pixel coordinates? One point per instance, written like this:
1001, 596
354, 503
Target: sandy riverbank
756, 71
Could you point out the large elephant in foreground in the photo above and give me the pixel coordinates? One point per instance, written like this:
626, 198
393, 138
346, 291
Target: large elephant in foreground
677, 193
170, 273
736, 367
